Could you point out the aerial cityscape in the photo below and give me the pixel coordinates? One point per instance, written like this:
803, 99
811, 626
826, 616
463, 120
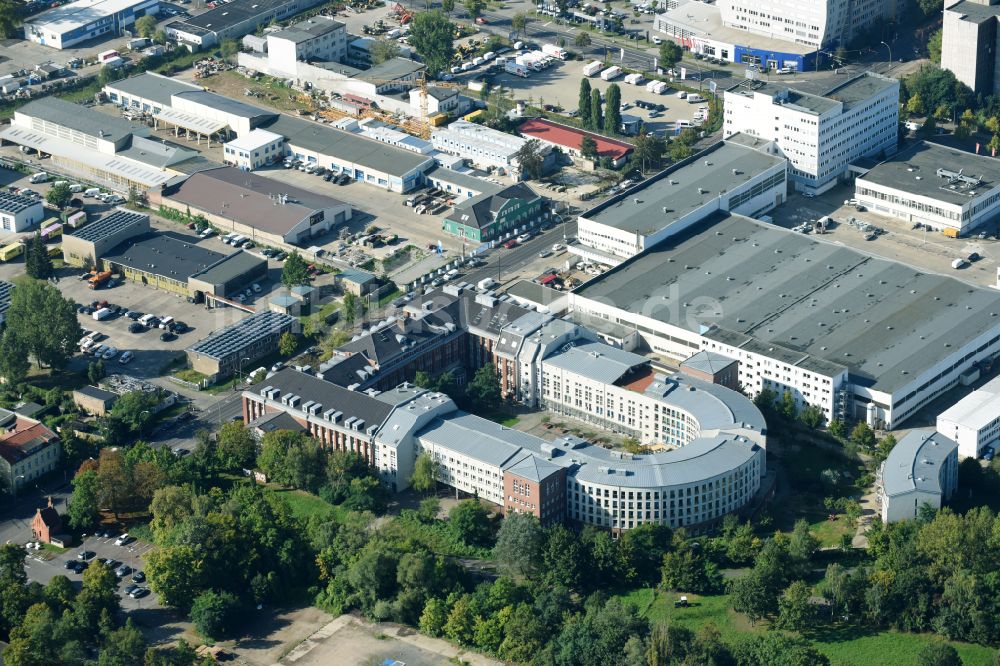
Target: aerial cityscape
549, 332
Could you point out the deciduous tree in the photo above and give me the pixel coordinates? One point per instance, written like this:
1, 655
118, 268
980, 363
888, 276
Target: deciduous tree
43, 323
83, 508
295, 271
424, 477
432, 36
519, 543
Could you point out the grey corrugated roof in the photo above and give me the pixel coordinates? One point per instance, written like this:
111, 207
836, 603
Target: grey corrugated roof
391, 70
804, 297
233, 13
311, 28
914, 171
463, 180
171, 255
230, 267
156, 153
595, 360
683, 188
352, 403
83, 119
347, 146
236, 337
225, 104
708, 362
109, 225
150, 85
915, 463
97, 393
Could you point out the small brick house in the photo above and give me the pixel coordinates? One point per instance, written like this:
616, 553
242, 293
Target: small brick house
46, 523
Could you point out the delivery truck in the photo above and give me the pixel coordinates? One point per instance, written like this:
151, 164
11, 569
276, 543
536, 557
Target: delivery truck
554, 51
593, 69
516, 69
611, 73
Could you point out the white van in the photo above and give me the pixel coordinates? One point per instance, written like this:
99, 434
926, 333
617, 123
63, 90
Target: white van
75, 188
681, 94
40, 177
92, 192
166, 321
59, 183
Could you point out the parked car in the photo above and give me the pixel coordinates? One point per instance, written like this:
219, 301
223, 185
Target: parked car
136, 327
167, 336
126, 358
139, 577
124, 540
85, 555
139, 593
110, 353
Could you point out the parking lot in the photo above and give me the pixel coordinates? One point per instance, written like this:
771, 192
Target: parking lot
927, 250
42, 565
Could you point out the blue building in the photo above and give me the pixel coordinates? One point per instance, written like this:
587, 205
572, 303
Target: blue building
84, 20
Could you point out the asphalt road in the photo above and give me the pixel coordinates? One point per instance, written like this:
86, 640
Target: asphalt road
502, 263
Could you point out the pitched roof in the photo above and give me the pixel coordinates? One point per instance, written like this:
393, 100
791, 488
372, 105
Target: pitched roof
50, 517
273, 421
27, 437
480, 211
571, 137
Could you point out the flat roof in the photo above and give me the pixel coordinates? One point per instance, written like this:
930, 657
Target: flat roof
705, 20
463, 180
229, 268
391, 70
251, 199
233, 339
76, 14
311, 28
229, 14
977, 409
152, 86
168, 254
227, 105
808, 300
190, 121
254, 139
975, 11
683, 188
347, 146
156, 153
932, 170
109, 225
822, 94
15, 203
915, 463
571, 137
81, 118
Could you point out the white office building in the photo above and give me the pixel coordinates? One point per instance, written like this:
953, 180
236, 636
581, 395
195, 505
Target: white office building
974, 421
936, 185
922, 469
75, 22
821, 127
19, 213
740, 175
819, 23
320, 38
255, 149
485, 148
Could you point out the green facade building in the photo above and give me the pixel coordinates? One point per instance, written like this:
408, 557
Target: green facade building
487, 216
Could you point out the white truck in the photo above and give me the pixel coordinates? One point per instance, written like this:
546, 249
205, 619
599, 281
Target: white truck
635, 79
554, 51
611, 73
103, 313
516, 69
592, 69
657, 87
695, 98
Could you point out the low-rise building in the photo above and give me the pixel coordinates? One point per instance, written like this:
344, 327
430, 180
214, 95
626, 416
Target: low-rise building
19, 213
570, 140
148, 92
94, 400
713, 368
88, 244
356, 281
46, 524
28, 450
935, 185
82, 20
483, 147
974, 421
234, 349
921, 470
255, 149
233, 20
486, 217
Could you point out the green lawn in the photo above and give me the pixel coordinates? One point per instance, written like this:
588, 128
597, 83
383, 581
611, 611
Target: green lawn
845, 646
303, 505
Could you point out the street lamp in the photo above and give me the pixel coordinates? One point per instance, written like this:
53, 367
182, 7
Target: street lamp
890, 54
19, 476
239, 373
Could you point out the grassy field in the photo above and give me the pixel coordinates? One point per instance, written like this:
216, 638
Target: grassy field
845, 646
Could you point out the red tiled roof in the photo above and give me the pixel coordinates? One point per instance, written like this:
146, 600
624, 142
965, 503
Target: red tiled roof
14, 446
571, 137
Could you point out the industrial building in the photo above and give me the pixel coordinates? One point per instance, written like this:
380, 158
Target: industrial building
970, 42
740, 175
83, 20
258, 148
570, 139
936, 185
263, 209
319, 38
96, 146
86, 245
488, 216
974, 421
834, 327
233, 349
160, 260
148, 92
821, 126
233, 20
485, 148
19, 213
921, 470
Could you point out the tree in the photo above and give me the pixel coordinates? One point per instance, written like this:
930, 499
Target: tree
43, 322
795, 611
295, 271
938, 654
862, 436
382, 50
287, 344
469, 522
37, 262
434, 617
929, 7
613, 109
484, 389
214, 613
461, 621
519, 543
596, 112
135, 409
670, 54
352, 308
59, 195
582, 39
583, 104
83, 505
160, 36
519, 23
432, 36
777, 649
678, 151
750, 595
812, 416
236, 447
474, 7
648, 151
228, 48
10, 18
802, 545
424, 477
448, 6
787, 406
136, 199
994, 144
14, 363
528, 157
588, 147
934, 46
145, 26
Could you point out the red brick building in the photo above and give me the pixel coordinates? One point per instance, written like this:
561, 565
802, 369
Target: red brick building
46, 524
536, 486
